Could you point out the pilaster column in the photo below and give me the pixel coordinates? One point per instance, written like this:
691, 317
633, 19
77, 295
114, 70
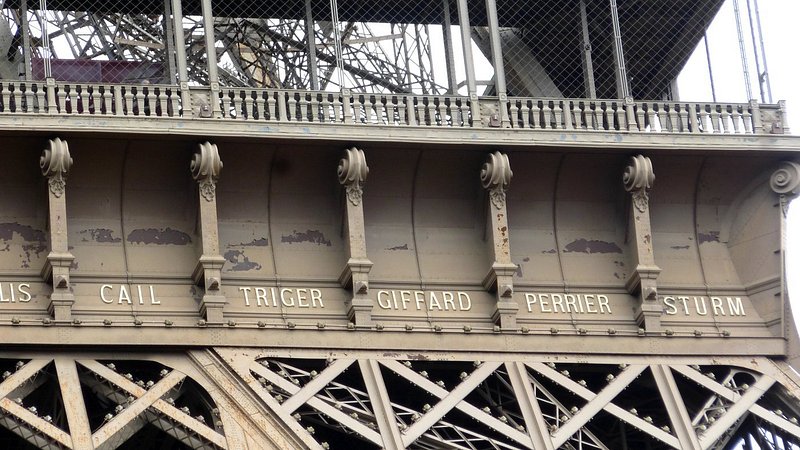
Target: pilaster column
495, 177
352, 172
206, 167
55, 163
638, 179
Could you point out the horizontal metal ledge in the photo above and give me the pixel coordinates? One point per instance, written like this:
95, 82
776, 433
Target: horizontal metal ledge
67, 125
391, 341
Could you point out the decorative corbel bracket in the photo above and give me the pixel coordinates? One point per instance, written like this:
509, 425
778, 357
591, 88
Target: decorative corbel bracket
638, 178
55, 163
206, 167
495, 177
352, 173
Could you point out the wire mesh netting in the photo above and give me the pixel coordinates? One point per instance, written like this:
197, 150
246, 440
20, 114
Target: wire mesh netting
603, 49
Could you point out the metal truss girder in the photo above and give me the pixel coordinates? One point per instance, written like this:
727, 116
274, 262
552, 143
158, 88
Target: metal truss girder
104, 437
676, 409
596, 405
462, 406
44, 427
381, 405
319, 404
611, 408
74, 407
316, 384
449, 402
735, 411
526, 399
18, 378
159, 405
776, 420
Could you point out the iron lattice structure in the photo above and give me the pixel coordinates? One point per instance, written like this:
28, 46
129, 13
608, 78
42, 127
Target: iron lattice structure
380, 403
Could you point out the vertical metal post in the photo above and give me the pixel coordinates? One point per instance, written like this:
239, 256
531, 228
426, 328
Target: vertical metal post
619, 57
452, 84
469, 63
588, 68
710, 72
763, 52
337, 42
211, 53
312, 48
742, 53
26, 39
169, 42
180, 57
48, 72
755, 52
497, 62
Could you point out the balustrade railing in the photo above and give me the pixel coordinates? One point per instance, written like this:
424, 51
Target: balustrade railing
320, 107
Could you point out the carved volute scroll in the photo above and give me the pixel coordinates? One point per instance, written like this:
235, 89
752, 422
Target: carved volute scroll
55, 163
352, 172
206, 167
638, 179
496, 176
786, 182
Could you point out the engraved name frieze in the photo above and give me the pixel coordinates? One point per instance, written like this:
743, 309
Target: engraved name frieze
686, 305
15, 292
401, 300
122, 294
282, 297
568, 303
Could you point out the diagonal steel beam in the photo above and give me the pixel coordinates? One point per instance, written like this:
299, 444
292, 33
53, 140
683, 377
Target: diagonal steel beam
104, 437
611, 408
462, 406
179, 417
449, 402
676, 409
319, 405
603, 398
735, 411
776, 420
72, 397
320, 381
18, 378
529, 406
41, 425
381, 405
707, 383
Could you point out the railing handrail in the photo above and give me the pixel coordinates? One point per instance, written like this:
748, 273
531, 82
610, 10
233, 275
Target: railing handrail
375, 108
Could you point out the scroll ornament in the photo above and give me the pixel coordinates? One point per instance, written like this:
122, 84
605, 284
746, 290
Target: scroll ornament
786, 182
55, 162
496, 176
352, 172
638, 179
206, 167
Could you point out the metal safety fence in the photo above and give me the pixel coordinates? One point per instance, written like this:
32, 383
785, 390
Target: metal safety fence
590, 49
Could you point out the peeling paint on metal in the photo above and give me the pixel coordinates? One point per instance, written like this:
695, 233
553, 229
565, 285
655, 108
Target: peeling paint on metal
398, 247
551, 251
680, 247
591, 246
311, 236
259, 242
163, 236
102, 235
36, 240
240, 261
526, 259
711, 236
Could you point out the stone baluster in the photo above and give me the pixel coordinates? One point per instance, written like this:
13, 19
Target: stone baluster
352, 172
55, 163
495, 176
638, 179
205, 167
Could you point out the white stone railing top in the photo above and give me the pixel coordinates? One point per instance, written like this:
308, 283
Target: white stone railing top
346, 107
